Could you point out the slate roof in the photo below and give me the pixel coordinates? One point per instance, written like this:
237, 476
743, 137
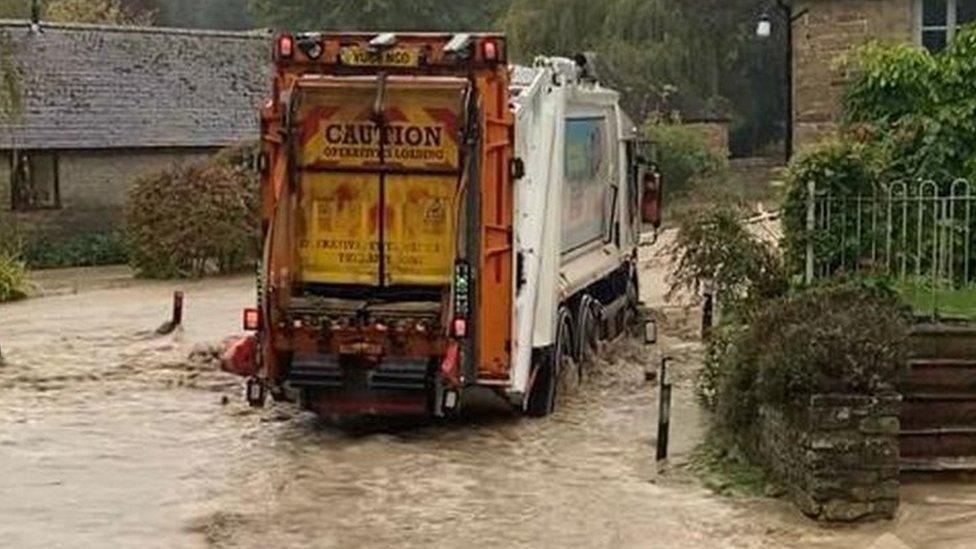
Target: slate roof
97, 87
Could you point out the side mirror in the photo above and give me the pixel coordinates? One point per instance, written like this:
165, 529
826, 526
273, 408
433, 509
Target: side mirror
651, 199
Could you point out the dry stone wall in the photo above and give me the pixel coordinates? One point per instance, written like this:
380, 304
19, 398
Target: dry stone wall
838, 457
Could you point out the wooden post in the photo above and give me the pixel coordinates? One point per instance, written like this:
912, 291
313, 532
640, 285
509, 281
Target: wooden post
664, 412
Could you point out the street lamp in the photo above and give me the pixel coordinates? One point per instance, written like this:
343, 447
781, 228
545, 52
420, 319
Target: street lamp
764, 29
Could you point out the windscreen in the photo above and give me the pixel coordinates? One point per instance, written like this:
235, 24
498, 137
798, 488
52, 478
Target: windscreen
373, 185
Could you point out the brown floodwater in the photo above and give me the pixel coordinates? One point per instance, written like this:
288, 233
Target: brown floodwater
110, 436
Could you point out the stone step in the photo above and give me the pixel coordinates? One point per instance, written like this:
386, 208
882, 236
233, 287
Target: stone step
932, 410
965, 465
942, 442
940, 375
944, 341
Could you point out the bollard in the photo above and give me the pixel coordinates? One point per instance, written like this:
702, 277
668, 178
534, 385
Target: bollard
664, 411
177, 308
708, 316
177, 319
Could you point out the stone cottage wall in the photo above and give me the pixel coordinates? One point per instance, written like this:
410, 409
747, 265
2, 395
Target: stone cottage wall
93, 187
830, 29
838, 459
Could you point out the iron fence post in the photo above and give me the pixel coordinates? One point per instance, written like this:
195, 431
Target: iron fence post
811, 226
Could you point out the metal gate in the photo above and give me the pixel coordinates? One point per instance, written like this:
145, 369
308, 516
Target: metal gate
917, 233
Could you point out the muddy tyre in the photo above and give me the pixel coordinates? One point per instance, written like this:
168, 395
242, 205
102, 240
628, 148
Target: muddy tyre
588, 334
551, 372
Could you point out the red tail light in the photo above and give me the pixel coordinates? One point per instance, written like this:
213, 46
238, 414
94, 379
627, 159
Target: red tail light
286, 46
460, 327
252, 319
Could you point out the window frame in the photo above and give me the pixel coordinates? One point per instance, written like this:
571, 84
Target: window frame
16, 203
950, 28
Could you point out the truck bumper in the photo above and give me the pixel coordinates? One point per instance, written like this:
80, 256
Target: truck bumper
333, 386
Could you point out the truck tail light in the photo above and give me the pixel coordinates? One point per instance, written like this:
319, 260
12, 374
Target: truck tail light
460, 327
252, 319
462, 299
286, 46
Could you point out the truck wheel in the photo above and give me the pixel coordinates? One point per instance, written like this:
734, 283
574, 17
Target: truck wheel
588, 334
631, 312
550, 375
570, 370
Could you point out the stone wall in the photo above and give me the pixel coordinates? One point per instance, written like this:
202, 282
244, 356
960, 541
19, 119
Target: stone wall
838, 459
828, 30
93, 187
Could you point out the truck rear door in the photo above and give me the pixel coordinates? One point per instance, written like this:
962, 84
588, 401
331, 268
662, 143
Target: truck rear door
378, 164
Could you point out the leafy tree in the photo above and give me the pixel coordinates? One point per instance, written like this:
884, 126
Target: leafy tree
377, 14
14, 9
212, 14
697, 57
111, 12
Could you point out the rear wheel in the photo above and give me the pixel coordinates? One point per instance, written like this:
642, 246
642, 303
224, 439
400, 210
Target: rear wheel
588, 333
551, 373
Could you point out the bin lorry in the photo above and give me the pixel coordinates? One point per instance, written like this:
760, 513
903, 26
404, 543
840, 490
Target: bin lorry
436, 220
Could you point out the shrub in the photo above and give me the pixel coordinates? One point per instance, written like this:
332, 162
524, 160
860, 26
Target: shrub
196, 220
844, 168
845, 337
682, 153
13, 278
84, 250
889, 81
13, 273
716, 248
848, 337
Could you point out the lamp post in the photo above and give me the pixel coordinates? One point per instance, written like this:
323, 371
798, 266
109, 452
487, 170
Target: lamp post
35, 16
764, 29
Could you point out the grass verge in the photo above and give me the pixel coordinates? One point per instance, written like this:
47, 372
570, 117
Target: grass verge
725, 470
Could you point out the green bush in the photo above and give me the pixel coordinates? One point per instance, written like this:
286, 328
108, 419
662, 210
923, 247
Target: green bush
918, 107
195, 221
890, 80
682, 153
13, 278
13, 273
84, 250
848, 338
714, 248
843, 169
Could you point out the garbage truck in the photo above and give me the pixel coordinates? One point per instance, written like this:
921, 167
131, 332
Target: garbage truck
435, 221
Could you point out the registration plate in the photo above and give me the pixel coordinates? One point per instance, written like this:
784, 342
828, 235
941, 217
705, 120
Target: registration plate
356, 56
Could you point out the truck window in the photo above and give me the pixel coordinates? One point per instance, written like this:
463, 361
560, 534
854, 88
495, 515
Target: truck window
587, 176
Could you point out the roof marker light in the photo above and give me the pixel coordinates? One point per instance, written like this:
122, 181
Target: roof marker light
459, 44
383, 41
286, 46
311, 46
490, 50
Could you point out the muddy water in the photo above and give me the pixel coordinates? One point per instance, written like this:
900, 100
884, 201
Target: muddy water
110, 436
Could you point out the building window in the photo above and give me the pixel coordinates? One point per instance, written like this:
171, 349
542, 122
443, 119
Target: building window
35, 181
938, 21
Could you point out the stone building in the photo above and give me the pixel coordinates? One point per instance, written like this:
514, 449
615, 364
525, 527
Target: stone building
826, 29
102, 106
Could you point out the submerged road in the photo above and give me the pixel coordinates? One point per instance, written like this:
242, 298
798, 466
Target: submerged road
111, 436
